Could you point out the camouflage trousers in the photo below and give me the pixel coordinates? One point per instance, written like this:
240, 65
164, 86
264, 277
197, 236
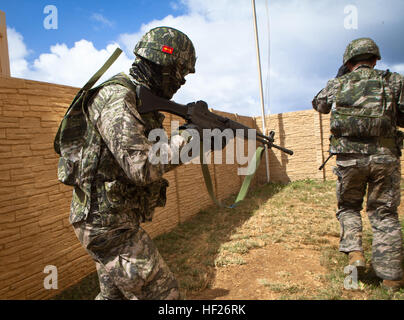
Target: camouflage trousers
381, 175
128, 264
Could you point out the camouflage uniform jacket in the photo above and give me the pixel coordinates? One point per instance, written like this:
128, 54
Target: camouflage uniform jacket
115, 169
325, 101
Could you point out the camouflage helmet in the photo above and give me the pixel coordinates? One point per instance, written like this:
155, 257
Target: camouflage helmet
167, 46
361, 46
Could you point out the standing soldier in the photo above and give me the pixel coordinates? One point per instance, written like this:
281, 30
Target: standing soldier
105, 156
366, 106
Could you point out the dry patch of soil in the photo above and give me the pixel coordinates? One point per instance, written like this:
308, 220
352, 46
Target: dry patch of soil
267, 271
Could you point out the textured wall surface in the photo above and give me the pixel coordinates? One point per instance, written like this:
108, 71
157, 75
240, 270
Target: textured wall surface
306, 133
34, 206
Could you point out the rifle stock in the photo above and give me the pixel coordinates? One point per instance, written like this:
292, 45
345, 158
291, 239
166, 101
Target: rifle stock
198, 114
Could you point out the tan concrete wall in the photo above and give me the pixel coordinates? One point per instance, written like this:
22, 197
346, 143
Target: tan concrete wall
34, 230
306, 133
34, 206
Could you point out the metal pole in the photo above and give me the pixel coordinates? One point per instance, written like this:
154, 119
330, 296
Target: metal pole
261, 90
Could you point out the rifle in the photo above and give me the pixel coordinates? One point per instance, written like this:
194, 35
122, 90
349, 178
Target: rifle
198, 114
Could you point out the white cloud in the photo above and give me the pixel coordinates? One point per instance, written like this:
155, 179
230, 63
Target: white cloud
63, 65
307, 40
398, 68
18, 53
74, 66
226, 71
100, 18
174, 5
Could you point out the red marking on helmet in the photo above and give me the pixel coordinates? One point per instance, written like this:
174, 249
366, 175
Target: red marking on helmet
167, 49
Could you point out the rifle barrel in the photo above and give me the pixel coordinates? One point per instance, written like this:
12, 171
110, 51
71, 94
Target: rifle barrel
151, 102
290, 152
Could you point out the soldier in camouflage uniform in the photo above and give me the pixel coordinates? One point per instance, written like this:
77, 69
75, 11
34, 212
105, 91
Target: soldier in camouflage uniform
366, 106
116, 186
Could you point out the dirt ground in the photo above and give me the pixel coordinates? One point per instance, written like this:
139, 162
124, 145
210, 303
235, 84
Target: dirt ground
275, 267
280, 244
272, 264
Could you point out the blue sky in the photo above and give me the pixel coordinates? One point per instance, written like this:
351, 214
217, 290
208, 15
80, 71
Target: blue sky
306, 39
77, 19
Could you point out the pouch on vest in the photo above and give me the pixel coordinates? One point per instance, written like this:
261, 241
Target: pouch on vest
361, 108
71, 136
69, 141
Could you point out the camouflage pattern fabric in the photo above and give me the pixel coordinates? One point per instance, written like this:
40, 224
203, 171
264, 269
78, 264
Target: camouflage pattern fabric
382, 174
368, 145
360, 47
165, 56
105, 155
326, 101
361, 108
125, 189
124, 176
129, 266
167, 46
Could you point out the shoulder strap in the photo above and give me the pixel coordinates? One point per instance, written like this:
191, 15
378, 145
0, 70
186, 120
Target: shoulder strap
90, 83
121, 79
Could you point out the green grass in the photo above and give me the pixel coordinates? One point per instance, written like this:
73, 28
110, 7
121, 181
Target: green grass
86, 289
296, 216
369, 283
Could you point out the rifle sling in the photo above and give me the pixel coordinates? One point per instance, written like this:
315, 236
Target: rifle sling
90, 83
252, 168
